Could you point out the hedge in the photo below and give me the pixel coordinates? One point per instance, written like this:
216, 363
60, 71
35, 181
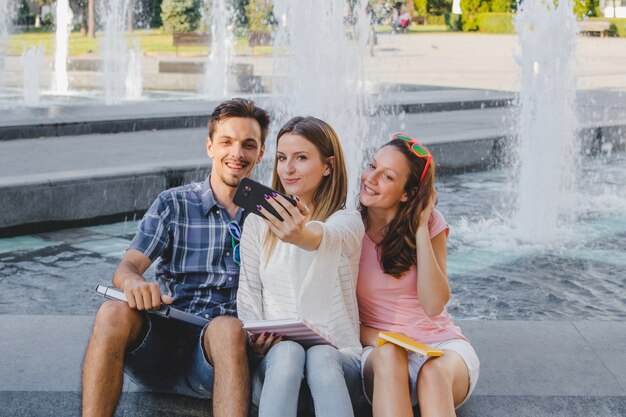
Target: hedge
436, 20
495, 22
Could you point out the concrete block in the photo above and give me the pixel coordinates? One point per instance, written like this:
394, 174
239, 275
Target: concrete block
540, 358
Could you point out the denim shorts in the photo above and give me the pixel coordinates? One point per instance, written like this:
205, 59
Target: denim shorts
171, 359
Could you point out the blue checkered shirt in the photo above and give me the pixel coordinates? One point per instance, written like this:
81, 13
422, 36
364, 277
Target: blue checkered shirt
188, 230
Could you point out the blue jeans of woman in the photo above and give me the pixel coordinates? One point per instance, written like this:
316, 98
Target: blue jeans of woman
333, 378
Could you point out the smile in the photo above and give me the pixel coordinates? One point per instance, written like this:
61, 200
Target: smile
368, 190
235, 165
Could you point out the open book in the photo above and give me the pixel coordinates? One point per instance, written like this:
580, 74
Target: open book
407, 343
298, 330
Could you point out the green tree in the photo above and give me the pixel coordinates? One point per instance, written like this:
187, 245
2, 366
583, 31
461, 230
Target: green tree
586, 8
471, 8
259, 16
421, 7
501, 6
180, 15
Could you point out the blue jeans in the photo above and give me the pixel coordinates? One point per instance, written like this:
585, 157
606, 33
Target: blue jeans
334, 380
170, 359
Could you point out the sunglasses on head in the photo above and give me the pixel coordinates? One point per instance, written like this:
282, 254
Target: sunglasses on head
418, 150
235, 237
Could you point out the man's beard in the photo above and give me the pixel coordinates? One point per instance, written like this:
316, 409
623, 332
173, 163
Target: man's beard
231, 182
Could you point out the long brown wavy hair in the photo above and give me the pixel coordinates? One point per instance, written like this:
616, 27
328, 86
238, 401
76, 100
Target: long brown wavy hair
331, 194
397, 251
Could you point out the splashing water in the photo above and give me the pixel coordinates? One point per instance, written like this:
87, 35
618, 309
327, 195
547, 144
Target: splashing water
547, 123
222, 46
114, 50
134, 80
63, 24
5, 30
31, 63
318, 71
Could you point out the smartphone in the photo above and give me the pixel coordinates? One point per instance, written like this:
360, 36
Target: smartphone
250, 193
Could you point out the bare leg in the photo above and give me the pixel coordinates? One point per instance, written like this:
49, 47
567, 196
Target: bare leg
225, 342
116, 327
441, 385
387, 375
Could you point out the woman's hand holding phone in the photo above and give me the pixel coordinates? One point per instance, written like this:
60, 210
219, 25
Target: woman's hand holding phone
292, 229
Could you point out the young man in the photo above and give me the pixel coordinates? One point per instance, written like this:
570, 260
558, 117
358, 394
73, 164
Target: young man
190, 228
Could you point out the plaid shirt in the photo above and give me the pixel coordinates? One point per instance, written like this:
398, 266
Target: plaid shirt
188, 229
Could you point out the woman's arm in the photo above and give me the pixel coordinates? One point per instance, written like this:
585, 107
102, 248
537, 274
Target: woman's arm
250, 292
432, 281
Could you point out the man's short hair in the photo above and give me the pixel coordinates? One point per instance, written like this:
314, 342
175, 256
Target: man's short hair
240, 107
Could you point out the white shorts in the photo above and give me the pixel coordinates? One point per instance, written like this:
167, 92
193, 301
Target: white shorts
460, 346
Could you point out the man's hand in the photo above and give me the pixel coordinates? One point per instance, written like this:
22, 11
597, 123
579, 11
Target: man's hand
142, 295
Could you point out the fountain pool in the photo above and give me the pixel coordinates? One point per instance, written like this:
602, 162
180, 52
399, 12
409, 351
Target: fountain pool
579, 275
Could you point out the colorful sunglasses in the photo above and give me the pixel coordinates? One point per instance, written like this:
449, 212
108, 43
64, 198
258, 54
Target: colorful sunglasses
235, 237
418, 149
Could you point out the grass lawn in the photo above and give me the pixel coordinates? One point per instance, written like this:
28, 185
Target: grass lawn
153, 42
150, 42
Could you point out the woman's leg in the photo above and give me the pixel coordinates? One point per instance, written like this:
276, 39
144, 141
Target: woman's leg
280, 374
334, 379
386, 379
442, 384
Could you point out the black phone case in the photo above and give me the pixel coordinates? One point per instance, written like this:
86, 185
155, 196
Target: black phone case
250, 193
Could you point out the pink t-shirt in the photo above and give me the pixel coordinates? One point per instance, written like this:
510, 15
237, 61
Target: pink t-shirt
392, 304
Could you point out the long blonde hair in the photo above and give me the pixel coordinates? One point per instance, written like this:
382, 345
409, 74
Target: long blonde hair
332, 191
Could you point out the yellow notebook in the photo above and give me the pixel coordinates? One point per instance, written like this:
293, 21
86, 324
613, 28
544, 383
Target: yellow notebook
407, 343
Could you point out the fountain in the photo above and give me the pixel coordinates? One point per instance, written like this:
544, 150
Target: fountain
547, 121
318, 71
134, 80
31, 64
222, 44
114, 50
5, 29
63, 25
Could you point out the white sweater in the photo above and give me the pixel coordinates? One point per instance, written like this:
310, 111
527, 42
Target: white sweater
319, 286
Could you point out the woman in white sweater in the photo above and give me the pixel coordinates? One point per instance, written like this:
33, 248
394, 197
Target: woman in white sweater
305, 266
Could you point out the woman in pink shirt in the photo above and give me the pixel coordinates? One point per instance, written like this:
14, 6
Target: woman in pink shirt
403, 287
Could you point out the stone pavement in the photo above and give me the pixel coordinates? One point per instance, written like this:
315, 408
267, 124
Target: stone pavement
528, 369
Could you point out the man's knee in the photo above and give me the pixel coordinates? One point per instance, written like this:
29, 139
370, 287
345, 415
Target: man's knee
115, 320
225, 334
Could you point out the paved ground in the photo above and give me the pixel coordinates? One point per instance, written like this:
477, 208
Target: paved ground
528, 369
